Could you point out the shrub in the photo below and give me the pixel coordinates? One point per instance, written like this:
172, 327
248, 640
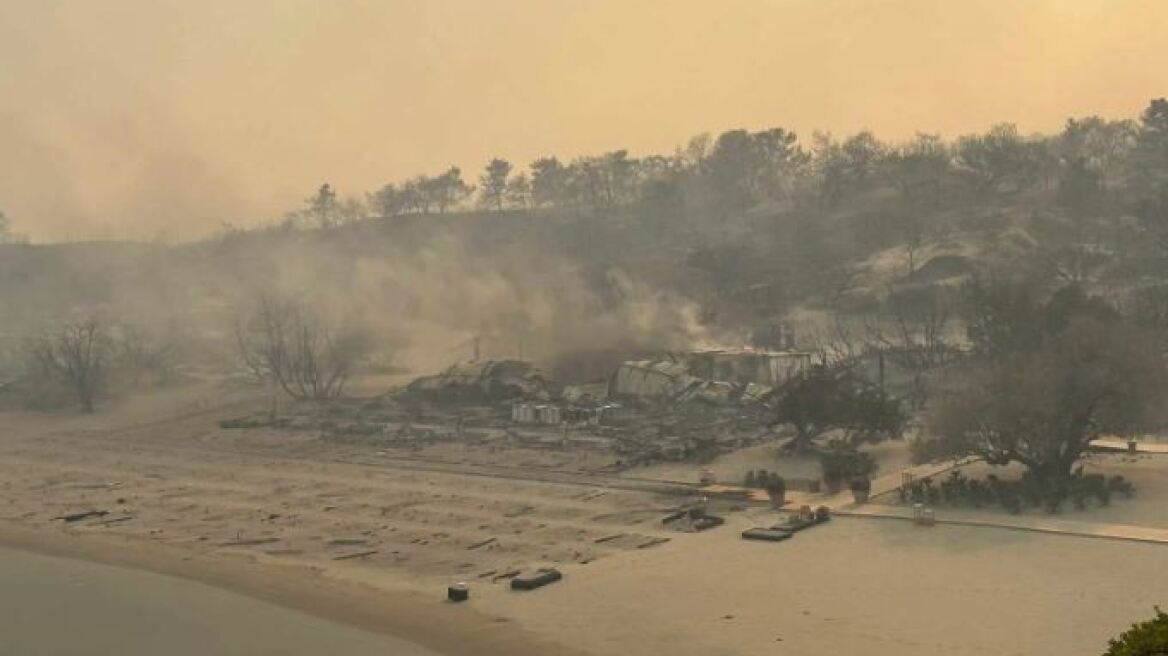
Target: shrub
776, 486
841, 461
1104, 496
1148, 638
1055, 496
1121, 485
1011, 502
975, 493
956, 489
953, 488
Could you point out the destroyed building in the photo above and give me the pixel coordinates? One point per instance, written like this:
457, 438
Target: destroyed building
719, 377
762, 367
649, 379
487, 381
684, 405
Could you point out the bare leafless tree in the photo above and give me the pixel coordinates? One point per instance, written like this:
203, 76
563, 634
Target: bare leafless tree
77, 354
289, 344
841, 344
143, 355
913, 232
915, 334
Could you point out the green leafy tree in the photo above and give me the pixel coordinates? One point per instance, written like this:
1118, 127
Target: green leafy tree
829, 398
745, 168
518, 192
392, 200
919, 168
842, 461
323, 208
493, 184
1042, 407
999, 160
1097, 145
847, 168
549, 181
445, 191
1149, 638
1150, 159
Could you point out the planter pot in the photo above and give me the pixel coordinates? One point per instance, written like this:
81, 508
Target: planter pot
778, 499
860, 496
458, 592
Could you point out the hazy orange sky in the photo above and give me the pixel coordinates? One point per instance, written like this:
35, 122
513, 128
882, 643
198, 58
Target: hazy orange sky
165, 118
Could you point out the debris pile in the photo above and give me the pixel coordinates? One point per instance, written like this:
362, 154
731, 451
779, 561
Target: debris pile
485, 381
685, 406
722, 377
692, 520
805, 518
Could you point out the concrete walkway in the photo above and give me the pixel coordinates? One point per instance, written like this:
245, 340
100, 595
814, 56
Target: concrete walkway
1014, 522
843, 504
1113, 444
888, 483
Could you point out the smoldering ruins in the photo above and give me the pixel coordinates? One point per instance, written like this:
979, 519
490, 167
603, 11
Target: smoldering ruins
688, 405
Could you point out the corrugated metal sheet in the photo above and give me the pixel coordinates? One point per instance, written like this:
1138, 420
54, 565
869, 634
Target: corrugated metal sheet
651, 379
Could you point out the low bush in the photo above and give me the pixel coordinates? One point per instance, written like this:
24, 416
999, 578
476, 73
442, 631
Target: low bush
1079, 489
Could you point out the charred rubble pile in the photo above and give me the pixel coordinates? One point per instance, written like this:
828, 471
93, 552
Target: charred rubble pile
682, 406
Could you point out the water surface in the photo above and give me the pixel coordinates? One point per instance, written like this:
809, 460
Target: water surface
60, 607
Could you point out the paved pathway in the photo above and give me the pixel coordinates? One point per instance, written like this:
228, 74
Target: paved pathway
1114, 444
1015, 522
842, 504
889, 483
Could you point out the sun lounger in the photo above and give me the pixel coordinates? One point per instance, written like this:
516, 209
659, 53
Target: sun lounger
536, 579
766, 534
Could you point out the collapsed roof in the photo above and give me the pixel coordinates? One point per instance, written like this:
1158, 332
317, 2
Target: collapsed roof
486, 380
719, 377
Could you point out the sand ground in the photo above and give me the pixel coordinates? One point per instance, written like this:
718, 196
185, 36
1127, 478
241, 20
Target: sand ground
373, 540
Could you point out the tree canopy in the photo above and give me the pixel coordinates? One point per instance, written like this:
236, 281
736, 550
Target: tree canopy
830, 398
1050, 377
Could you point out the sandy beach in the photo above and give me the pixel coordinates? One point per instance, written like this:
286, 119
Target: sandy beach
371, 541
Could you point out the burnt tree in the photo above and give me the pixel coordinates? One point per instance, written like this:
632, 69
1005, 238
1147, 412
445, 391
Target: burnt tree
292, 346
77, 354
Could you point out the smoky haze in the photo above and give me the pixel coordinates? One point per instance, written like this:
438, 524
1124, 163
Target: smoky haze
353, 305
164, 120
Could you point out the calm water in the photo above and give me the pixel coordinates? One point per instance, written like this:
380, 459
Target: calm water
59, 607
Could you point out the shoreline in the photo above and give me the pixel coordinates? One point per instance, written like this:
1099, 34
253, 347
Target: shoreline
432, 623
